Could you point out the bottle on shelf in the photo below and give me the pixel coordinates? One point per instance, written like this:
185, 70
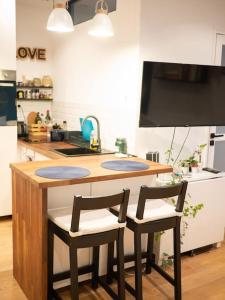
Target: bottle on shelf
33, 94
37, 94
28, 94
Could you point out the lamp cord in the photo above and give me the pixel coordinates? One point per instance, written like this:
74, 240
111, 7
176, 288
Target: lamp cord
171, 146
182, 147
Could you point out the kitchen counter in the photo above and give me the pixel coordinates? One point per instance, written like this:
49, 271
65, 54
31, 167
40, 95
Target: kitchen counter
92, 163
30, 209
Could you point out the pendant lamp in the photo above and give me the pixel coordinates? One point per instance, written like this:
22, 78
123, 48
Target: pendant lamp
101, 25
60, 20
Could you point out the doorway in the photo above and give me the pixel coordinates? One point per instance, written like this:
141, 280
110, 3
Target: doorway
216, 152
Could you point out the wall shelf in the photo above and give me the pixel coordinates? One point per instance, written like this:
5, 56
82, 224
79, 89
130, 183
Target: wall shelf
33, 87
23, 99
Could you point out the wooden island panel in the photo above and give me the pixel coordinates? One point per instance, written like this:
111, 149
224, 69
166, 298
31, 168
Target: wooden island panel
30, 237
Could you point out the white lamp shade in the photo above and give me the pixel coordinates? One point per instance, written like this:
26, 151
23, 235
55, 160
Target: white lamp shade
60, 21
101, 26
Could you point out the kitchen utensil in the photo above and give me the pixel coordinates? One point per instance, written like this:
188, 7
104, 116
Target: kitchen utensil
31, 118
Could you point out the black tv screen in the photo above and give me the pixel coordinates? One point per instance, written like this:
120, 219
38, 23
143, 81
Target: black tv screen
176, 95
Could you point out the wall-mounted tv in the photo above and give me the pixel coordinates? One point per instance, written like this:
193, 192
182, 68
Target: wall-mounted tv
176, 95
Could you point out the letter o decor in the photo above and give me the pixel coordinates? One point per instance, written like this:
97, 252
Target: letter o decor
31, 53
22, 52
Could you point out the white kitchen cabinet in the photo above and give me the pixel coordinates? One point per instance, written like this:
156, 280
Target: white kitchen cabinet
8, 154
208, 226
39, 157
26, 154
7, 35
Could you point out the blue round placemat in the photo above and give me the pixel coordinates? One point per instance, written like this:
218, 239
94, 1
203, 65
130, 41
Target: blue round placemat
62, 172
124, 165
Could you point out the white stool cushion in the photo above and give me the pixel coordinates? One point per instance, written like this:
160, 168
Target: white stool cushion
91, 222
154, 210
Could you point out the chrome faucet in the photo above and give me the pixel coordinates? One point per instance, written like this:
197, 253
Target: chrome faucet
98, 129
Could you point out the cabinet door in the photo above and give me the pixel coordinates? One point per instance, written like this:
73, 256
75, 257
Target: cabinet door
208, 226
8, 154
40, 157
25, 154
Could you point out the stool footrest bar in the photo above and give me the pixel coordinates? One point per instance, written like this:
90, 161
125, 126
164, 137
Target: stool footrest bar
163, 273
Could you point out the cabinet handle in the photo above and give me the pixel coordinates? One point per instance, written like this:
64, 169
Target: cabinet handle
29, 158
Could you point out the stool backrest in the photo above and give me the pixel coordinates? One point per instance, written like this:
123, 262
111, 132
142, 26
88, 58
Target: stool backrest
94, 203
162, 193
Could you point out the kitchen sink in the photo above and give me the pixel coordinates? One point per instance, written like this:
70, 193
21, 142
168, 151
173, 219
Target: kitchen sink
80, 151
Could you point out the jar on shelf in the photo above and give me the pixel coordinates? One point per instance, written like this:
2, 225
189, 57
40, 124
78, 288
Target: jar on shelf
47, 81
37, 82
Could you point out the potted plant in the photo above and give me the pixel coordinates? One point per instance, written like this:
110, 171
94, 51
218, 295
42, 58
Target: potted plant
199, 152
193, 163
184, 164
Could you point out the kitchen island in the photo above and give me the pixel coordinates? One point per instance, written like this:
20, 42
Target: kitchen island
33, 195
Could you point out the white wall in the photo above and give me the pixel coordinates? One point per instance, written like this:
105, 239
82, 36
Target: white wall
31, 20
99, 76
7, 35
103, 77
184, 32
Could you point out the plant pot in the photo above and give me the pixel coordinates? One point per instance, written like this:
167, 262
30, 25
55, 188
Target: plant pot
194, 170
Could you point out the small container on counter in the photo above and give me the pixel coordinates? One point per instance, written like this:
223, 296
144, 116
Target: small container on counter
121, 147
57, 135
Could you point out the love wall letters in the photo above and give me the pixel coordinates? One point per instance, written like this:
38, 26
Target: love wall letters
31, 53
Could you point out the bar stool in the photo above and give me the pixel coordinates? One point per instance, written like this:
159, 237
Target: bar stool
92, 228
153, 214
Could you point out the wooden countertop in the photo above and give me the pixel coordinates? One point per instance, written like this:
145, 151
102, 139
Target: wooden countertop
92, 163
46, 148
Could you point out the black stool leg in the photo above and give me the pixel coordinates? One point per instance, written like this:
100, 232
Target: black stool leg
74, 273
120, 265
177, 260
148, 268
96, 267
50, 260
109, 277
138, 265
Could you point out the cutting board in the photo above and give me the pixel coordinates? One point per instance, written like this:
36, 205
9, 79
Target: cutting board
31, 118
